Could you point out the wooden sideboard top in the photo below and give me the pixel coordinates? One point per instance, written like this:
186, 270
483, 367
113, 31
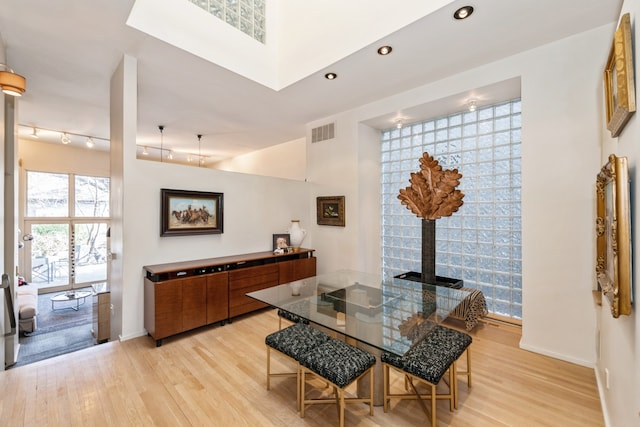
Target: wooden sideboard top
235, 260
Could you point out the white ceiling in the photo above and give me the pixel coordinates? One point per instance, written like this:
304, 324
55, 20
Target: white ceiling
68, 50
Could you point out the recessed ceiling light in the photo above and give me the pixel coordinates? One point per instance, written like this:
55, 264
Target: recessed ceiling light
463, 13
384, 50
330, 76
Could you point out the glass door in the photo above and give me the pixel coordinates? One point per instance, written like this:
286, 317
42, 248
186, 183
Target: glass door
90, 253
64, 260
47, 250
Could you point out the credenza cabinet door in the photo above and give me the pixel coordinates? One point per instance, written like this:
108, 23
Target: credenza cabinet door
165, 316
217, 297
194, 302
298, 269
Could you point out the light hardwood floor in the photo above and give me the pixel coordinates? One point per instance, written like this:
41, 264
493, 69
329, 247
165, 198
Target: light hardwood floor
215, 376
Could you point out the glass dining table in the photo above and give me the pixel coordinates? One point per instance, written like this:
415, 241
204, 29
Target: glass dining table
376, 313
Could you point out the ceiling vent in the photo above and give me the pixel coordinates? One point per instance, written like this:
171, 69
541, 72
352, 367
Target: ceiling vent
324, 132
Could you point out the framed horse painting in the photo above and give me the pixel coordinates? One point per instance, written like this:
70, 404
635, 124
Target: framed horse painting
185, 212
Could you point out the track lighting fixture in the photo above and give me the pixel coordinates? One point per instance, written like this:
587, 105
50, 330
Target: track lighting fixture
90, 142
145, 152
34, 134
64, 138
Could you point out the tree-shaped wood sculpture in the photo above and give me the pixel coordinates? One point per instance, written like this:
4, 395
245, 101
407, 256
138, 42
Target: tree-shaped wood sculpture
431, 195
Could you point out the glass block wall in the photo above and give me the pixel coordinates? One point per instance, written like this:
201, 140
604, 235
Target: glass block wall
482, 242
246, 15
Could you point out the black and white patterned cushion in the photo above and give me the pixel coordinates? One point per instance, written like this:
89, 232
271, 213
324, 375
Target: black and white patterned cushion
296, 340
291, 316
432, 356
338, 362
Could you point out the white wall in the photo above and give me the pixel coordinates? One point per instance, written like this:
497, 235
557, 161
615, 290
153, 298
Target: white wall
286, 160
563, 149
35, 155
561, 85
255, 208
620, 338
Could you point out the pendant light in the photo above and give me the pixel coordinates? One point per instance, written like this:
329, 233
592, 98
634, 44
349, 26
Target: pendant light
161, 142
11, 83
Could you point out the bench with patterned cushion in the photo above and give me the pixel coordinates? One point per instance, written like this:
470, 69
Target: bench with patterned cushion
293, 342
341, 364
428, 361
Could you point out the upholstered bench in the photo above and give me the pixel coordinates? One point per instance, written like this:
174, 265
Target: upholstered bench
340, 364
301, 307
471, 309
27, 307
428, 361
293, 342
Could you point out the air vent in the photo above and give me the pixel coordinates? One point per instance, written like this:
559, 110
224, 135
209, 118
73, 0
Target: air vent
322, 133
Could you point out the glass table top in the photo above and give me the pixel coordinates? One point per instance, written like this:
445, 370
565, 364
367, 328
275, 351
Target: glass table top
387, 313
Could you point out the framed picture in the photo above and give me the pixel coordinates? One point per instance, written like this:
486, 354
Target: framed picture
330, 210
613, 235
619, 86
190, 212
281, 241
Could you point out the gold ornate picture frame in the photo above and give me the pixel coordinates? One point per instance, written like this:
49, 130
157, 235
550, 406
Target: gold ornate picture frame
619, 86
613, 235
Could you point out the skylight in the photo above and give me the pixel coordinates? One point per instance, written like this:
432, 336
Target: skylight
246, 15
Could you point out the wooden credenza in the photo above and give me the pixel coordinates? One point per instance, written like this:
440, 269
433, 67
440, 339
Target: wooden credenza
182, 296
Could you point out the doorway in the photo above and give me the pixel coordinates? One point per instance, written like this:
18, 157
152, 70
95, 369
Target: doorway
65, 245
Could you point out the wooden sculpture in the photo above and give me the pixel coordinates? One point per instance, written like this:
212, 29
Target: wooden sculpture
430, 196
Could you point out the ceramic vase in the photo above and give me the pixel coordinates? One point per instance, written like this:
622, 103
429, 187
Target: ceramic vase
296, 234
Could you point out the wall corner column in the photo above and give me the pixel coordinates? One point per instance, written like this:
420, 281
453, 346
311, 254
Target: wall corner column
123, 128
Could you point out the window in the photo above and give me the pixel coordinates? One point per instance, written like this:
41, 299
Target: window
246, 15
67, 217
481, 243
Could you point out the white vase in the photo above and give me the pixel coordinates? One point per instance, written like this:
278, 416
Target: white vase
296, 234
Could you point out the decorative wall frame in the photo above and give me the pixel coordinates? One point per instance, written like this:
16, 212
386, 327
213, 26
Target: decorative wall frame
330, 210
281, 241
613, 235
619, 85
185, 212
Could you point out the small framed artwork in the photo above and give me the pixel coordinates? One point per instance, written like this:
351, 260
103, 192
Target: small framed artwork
185, 212
613, 235
330, 210
281, 241
619, 85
